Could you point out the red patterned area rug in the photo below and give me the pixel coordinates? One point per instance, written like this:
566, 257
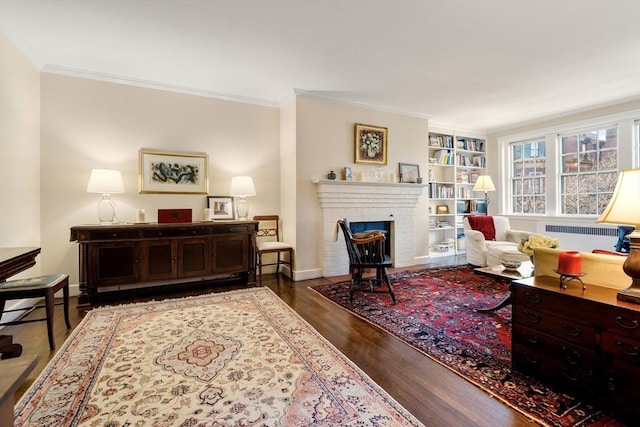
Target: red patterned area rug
240, 358
436, 314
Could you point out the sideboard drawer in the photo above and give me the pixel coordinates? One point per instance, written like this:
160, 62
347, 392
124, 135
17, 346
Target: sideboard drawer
175, 232
113, 234
230, 228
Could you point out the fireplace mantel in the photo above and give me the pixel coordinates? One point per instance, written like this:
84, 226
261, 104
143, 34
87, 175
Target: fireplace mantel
364, 201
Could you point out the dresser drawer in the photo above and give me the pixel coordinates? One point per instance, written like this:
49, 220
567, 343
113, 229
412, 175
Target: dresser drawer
557, 326
621, 383
569, 355
622, 322
622, 347
542, 299
540, 362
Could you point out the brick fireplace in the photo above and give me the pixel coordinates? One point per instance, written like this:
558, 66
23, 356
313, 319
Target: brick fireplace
367, 202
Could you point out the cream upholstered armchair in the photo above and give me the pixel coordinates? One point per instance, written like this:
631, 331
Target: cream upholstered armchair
489, 240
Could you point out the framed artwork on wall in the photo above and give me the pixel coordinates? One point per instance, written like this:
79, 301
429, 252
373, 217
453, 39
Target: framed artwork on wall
221, 207
409, 172
370, 144
172, 172
442, 209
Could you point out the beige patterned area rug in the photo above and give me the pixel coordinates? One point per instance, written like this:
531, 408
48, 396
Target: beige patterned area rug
240, 358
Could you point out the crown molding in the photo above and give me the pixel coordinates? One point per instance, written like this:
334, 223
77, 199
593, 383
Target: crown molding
112, 78
337, 100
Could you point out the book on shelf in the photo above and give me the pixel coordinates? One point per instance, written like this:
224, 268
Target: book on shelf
470, 144
441, 141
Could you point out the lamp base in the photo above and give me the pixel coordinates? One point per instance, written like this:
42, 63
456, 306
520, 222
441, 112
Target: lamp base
242, 208
631, 294
106, 210
631, 267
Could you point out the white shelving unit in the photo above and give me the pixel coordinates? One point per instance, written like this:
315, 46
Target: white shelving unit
455, 162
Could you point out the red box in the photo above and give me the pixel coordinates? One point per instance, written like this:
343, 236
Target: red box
174, 215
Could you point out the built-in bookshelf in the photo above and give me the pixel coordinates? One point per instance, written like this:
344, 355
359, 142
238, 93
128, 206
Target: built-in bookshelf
455, 163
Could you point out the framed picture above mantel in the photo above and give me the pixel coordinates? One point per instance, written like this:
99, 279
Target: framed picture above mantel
370, 144
173, 172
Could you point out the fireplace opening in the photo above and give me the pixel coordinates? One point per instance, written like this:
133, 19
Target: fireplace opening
383, 226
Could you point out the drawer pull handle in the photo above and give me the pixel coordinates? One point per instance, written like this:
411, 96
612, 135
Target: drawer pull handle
628, 349
531, 358
531, 338
532, 317
532, 297
572, 357
571, 330
627, 323
569, 375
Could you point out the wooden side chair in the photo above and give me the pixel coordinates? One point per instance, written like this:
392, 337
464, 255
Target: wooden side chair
268, 238
366, 251
37, 287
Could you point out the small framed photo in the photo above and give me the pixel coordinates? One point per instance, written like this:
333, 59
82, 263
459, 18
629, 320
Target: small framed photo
473, 177
221, 207
442, 209
409, 172
371, 144
171, 172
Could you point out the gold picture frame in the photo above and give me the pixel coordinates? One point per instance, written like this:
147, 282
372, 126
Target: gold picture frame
442, 209
370, 144
172, 172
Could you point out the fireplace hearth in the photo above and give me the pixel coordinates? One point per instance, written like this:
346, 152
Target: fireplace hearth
367, 202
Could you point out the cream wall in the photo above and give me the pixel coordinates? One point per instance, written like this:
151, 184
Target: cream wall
19, 151
91, 124
325, 141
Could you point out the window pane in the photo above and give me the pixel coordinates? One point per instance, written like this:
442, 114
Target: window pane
528, 176
589, 170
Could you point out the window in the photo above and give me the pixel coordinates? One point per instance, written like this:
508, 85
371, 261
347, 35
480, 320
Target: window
589, 170
528, 176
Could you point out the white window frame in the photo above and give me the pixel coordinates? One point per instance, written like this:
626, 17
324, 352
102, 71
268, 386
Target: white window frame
628, 124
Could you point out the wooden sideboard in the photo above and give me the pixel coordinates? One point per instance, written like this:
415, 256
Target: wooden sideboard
586, 342
114, 258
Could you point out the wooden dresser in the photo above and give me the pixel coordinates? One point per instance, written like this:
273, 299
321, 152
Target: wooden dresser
114, 258
586, 342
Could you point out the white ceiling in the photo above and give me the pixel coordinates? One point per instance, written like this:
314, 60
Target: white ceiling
472, 64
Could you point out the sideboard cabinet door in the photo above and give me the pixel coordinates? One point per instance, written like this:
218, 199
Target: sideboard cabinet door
113, 263
230, 253
194, 256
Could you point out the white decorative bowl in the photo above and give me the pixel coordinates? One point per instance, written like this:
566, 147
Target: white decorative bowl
510, 265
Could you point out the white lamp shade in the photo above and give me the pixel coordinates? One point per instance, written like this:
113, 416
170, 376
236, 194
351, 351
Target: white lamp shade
105, 181
624, 206
242, 186
484, 183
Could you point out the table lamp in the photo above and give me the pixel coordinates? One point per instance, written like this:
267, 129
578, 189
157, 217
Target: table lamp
242, 187
624, 208
484, 183
105, 182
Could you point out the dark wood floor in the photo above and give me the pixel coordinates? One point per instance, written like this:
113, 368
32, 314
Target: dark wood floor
431, 392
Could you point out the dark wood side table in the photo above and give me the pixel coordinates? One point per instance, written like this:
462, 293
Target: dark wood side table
14, 372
